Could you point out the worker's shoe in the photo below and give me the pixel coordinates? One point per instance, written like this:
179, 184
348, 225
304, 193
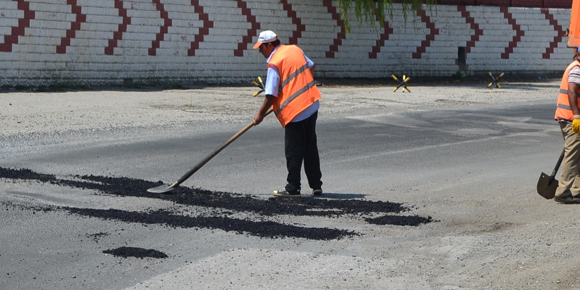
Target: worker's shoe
317, 191
567, 200
285, 193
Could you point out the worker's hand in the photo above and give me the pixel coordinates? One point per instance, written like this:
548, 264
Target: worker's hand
576, 124
259, 117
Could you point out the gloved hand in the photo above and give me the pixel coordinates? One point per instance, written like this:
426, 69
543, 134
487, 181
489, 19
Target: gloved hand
576, 124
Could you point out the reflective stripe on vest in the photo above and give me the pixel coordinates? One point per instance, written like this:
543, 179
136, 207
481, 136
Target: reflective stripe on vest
295, 95
297, 87
293, 75
563, 109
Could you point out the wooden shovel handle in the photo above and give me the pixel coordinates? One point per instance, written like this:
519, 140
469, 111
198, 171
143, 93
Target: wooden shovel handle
214, 153
557, 165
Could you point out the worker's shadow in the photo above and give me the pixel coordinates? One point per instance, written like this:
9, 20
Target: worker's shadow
339, 195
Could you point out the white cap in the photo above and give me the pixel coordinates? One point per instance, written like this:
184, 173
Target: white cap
266, 36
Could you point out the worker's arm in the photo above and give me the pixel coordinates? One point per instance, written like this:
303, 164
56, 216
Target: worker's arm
573, 99
268, 101
310, 63
271, 92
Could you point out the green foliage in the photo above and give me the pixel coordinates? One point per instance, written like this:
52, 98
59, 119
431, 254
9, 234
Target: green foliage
458, 77
369, 11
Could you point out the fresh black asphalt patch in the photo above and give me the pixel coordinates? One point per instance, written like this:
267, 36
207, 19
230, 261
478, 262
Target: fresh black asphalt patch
136, 252
220, 206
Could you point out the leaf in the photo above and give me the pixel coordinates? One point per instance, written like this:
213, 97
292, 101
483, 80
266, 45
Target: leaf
371, 11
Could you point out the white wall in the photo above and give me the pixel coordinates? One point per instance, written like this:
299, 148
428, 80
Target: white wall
65, 41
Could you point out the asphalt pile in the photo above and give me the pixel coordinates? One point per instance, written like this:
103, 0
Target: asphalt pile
219, 208
141, 253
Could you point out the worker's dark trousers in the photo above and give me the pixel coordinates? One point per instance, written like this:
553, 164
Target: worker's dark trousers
300, 144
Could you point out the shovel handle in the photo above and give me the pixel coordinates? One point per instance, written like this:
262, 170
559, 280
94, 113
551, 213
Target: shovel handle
214, 153
557, 165
553, 176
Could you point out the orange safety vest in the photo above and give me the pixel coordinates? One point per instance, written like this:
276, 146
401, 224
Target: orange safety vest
563, 110
297, 88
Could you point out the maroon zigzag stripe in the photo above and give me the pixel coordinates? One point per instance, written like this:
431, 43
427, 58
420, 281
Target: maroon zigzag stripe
557, 38
519, 33
295, 20
166, 23
118, 35
23, 23
341, 35
203, 31
251, 32
471, 21
387, 31
430, 37
74, 26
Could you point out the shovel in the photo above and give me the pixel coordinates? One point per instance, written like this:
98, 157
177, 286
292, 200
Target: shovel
167, 188
547, 184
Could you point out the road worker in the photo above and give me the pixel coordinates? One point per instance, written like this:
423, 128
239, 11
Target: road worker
291, 91
568, 116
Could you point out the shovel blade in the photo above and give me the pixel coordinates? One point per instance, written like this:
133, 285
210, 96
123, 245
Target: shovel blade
546, 189
161, 189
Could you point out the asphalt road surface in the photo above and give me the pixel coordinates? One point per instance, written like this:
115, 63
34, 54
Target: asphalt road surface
426, 192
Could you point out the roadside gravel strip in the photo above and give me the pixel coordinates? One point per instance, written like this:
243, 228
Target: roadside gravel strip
25, 114
457, 233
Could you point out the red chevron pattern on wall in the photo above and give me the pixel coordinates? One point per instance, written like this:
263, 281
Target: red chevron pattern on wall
508, 3
337, 41
297, 34
203, 31
163, 30
560, 33
473, 25
19, 30
387, 30
74, 26
429, 37
517, 28
118, 35
251, 32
